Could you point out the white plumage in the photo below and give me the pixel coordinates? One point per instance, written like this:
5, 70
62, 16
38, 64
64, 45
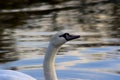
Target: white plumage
14, 75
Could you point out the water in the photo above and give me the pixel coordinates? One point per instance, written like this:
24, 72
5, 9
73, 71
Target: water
25, 34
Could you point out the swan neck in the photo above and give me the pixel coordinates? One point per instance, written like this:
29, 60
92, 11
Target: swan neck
49, 67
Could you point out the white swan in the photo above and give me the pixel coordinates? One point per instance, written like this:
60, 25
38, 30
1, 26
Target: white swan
49, 70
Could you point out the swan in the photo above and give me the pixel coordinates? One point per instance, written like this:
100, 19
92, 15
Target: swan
49, 69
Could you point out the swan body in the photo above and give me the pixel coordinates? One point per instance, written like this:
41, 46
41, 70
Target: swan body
49, 69
14, 75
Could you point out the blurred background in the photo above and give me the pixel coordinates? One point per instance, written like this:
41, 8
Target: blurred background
27, 25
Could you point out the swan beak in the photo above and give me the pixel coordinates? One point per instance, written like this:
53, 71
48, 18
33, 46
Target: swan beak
71, 37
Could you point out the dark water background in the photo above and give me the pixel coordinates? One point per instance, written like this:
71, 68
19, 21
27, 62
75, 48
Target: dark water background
26, 27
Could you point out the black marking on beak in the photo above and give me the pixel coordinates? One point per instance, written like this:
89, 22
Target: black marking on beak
69, 37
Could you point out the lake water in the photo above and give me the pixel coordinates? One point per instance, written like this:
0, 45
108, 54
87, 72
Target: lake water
25, 37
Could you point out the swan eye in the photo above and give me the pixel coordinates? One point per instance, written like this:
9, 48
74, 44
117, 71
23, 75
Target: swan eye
64, 35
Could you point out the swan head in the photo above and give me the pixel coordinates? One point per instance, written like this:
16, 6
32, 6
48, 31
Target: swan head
61, 37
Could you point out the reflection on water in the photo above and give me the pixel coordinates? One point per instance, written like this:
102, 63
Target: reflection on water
25, 34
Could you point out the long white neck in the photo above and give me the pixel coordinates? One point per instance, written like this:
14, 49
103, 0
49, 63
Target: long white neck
49, 67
